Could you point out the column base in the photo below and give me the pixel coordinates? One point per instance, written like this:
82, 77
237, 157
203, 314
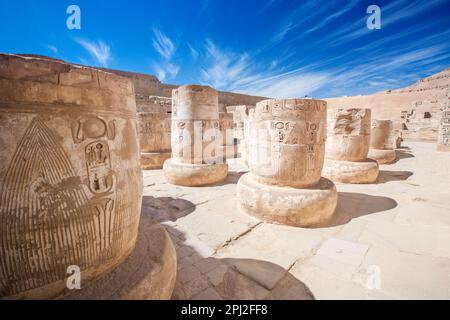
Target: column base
351, 172
149, 273
382, 156
194, 175
154, 161
309, 207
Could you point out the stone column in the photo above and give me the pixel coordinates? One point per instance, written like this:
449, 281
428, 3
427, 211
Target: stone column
444, 130
196, 157
348, 146
229, 148
382, 142
154, 136
241, 116
70, 179
286, 156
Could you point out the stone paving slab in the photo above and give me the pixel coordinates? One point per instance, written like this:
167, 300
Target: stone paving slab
390, 240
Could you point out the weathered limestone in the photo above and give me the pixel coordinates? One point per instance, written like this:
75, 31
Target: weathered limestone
70, 175
148, 274
195, 128
154, 136
286, 156
229, 148
348, 146
382, 142
444, 128
240, 117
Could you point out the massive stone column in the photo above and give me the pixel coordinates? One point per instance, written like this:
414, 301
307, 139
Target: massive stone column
348, 146
241, 115
70, 179
382, 142
229, 148
444, 129
286, 156
154, 137
197, 160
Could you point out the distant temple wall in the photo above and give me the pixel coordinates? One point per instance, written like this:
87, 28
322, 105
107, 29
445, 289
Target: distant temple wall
146, 86
415, 112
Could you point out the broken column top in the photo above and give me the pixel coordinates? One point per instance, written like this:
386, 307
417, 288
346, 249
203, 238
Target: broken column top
382, 134
195, 102
348, 134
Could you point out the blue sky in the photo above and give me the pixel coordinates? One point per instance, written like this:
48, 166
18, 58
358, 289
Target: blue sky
276, 48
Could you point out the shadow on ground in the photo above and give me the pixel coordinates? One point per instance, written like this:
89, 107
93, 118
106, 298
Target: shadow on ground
402, 154
353, 205
388, 176
211, 278
166, 208
232, 178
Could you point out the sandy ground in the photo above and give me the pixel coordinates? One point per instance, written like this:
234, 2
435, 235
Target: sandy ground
390, 240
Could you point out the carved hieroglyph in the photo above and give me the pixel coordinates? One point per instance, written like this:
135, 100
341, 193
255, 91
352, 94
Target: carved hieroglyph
286, 156
348, 146
382, 142
287, 142
196, 145
70, 178
155, 138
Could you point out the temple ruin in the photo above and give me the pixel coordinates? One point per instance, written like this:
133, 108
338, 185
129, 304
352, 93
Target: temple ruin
197, 158
286, 154
382, 142
155, 191
348, 147
71, 180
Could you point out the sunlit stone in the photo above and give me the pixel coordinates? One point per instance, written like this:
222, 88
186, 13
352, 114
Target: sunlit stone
286, 155
348, 146
382, 142
196, 157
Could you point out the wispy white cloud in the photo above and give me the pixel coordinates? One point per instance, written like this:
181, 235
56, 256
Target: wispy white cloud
100, 51
166, 48
53, 49
163, 44
345, 9
237, 72
194, 52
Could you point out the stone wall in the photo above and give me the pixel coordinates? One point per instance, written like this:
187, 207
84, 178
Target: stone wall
148, 85
414, 109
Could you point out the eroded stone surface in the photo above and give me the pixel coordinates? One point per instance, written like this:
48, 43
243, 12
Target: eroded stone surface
348, 146
351, 172
287, 142
70, 174
155, 139
403, 217
382, 142
195, 129
348, 134
286, 155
